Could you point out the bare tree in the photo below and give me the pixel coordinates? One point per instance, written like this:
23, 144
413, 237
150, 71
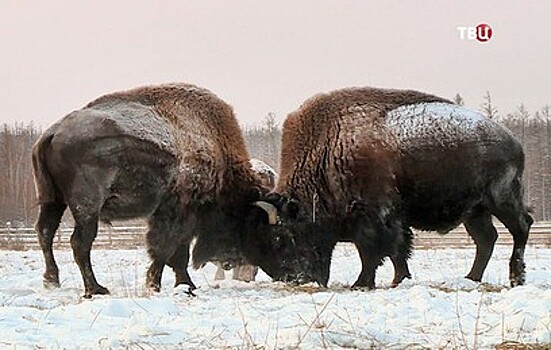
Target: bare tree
487, 107
545, 116
17, 198
264, 142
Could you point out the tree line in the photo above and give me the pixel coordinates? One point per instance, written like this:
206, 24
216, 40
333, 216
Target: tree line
533, 129
17, 195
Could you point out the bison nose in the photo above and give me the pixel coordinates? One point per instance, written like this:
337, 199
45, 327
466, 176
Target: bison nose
228, 265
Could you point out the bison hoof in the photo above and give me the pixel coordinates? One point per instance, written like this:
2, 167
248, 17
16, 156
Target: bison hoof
98, 290
51, 284
398, 280
363, 285
153, 287
517, 280
51, 281
184, 289
187, 283
474, 277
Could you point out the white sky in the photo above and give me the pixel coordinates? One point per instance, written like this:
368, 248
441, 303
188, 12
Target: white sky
266, 57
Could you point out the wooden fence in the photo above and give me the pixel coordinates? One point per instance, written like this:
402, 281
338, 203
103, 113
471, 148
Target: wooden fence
116, 237
133, 237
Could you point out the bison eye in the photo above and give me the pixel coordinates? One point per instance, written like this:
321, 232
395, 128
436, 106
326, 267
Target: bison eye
291, 209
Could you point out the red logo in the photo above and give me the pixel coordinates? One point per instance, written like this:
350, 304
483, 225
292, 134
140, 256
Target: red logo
483, 32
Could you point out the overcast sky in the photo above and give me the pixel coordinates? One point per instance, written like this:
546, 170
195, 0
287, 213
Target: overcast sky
266, 57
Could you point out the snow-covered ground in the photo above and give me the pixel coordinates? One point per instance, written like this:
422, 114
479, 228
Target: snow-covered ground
436, 309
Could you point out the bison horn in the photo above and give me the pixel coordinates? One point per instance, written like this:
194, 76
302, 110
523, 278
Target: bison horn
270, 209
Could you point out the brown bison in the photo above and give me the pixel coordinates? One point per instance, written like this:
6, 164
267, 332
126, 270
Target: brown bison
172, 154
365, 165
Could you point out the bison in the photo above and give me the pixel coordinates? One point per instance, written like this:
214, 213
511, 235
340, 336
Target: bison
247, 273
172, 154
366, 165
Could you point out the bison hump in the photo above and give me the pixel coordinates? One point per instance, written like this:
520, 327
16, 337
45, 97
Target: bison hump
135, 120
430, 125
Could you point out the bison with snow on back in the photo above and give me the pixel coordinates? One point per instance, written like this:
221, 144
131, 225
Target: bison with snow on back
365, 165
172, 154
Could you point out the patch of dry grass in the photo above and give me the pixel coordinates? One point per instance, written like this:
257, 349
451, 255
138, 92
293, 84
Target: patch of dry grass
513, 345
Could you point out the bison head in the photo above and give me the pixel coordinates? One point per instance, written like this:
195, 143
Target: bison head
263, 233
217, 233
284, 247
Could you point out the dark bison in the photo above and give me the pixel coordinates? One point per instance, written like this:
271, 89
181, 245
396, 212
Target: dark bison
365, 165
172, 154
247, 272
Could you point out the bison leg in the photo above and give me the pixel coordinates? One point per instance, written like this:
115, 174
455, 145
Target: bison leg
514, 216
245, 273
154, 275
401, 269
378, 238
220, 274
480, 228
81, 242
370, 263
371, 260
519, 228
179, 262
158, 260
46, 227
399, 261
164, 247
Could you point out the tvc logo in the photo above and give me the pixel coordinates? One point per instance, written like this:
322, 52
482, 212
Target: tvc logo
482, 32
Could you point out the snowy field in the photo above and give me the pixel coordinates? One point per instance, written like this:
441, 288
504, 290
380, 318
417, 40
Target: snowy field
436, 309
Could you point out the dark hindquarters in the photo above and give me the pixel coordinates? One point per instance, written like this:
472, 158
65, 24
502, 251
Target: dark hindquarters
49, 218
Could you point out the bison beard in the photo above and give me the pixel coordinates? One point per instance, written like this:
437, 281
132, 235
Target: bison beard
365, 165
172, 154
246, 272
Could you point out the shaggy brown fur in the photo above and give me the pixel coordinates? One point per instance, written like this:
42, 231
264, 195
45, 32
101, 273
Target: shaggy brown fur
173, 154
197, 117
335, 146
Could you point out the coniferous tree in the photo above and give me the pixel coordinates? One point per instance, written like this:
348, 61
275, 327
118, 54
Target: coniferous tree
458, 99
487, 108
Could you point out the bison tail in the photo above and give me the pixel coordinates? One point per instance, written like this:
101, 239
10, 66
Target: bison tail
44, 185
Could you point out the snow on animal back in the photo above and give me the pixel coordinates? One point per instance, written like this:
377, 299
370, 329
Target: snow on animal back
266, 173
262, 168
169, 116
178, 125
427, 125
143, 123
